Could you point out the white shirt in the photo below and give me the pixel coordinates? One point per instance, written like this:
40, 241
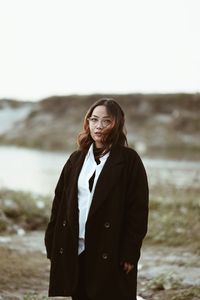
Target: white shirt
84, 195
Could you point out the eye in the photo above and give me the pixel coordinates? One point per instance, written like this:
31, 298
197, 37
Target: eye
93, 119
106, 122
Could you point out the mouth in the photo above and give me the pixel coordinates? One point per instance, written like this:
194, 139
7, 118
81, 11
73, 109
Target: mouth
99, 134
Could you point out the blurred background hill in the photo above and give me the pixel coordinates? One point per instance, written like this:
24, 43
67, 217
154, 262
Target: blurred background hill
161, 125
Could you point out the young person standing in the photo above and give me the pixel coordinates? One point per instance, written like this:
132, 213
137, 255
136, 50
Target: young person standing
99, 213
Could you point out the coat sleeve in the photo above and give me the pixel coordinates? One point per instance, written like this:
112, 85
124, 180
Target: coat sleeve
136, 212
49, 233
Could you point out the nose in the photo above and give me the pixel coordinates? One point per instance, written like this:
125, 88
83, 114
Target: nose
99, 124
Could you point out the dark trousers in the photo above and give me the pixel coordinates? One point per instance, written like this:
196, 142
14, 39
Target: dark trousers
80, 293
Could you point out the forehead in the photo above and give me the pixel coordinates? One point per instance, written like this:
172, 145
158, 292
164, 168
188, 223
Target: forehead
101, 111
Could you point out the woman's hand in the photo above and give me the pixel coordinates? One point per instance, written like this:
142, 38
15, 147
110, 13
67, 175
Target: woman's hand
127, 267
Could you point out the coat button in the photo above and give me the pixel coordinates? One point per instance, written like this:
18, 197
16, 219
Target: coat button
61, 250
104, 255
64, 223
107, 225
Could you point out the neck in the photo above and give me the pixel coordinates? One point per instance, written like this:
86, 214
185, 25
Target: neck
100, 151
98, 146
97, 149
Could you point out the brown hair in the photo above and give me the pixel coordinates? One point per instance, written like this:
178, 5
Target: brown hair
117, 133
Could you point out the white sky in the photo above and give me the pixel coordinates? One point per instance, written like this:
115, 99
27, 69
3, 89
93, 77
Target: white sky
63, 47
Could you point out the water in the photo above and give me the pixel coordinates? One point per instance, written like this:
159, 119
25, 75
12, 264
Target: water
38, 171
30, 170
180, 173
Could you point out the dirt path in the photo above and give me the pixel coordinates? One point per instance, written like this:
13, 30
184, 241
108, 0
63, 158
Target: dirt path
25, 269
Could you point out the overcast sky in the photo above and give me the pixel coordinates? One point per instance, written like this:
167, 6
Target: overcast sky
62, 47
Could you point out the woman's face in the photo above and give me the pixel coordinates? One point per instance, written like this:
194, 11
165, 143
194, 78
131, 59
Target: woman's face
99, 124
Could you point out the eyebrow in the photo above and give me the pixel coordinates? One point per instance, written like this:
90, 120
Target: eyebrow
102, 117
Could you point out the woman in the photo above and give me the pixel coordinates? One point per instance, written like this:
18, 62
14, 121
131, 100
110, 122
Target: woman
99, 213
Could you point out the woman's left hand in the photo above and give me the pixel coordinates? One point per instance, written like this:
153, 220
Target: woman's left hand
127, 267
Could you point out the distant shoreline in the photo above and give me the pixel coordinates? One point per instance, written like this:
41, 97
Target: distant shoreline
158, 125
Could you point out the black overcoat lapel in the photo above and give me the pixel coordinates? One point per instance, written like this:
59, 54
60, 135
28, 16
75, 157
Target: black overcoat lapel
72, 197
107, 179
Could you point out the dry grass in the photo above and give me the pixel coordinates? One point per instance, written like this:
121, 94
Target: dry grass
23, 272
174, 218
22, 210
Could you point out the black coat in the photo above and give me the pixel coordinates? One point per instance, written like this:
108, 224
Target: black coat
115, 228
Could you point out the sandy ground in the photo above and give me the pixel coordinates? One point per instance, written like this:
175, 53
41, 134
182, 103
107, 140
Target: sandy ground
31, 280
